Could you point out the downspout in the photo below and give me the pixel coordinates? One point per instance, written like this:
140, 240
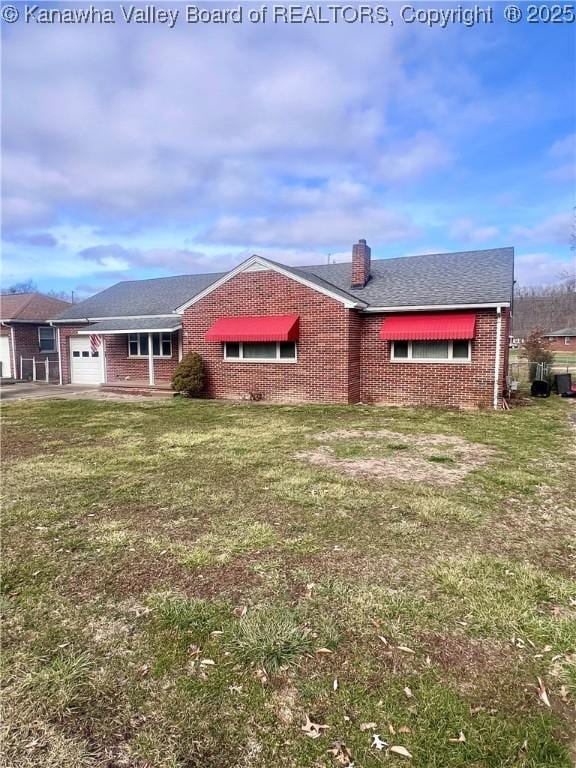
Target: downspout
59, 357
12, 344
150, 361
497, 359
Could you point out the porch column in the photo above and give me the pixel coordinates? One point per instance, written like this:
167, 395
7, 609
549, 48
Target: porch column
150, 361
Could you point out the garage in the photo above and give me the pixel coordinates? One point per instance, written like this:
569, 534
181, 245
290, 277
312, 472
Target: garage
86, 364
5, 362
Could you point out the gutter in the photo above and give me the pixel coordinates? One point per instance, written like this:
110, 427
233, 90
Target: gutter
497, 356
436, 307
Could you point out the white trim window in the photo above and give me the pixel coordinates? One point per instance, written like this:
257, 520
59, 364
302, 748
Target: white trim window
260, 351
567, 340
431, 351
46, 338
161, 345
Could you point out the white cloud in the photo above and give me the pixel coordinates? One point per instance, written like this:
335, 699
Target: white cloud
319, 228
563, 154
554, 230
468, 231
412, 159
540, 267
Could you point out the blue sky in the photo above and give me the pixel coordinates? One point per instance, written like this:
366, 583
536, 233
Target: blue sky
139, 151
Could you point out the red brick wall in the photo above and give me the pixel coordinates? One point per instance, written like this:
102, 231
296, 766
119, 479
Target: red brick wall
462, 385
559, 344
27, 344
321, 372
65, 334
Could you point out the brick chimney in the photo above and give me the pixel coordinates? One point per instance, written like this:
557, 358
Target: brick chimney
360, 264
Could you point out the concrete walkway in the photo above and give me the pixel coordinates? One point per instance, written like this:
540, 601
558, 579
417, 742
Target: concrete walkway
40, 391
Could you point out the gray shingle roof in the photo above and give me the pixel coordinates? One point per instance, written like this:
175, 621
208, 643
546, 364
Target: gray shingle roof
158, 296
467, 277
157, 323
563, 332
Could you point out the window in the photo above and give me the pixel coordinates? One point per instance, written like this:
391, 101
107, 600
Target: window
431, 351
161, 345
47, 339
261, 351
567, 340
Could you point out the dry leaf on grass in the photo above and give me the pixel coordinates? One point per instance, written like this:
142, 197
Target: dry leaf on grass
367, 726
400, 751
335, 684
460, 740
262, 676
542, 693
341, 753
207, 663
323, 650
383, 640
405, 649
377, 742
404, 729
408, 692
240, 611
313, 730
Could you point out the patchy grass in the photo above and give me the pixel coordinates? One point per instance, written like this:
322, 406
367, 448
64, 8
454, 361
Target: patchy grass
181, 589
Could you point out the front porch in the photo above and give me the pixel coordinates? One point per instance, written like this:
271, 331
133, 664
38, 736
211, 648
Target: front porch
139, 387
137, 355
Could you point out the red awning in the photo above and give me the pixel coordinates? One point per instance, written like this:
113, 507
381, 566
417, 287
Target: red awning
429, 327
262, 328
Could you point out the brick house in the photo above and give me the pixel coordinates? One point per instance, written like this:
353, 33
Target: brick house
429, 329
27, 340
563, 340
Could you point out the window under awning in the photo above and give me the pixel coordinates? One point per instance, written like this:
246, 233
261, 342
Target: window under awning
437, 326
251, 328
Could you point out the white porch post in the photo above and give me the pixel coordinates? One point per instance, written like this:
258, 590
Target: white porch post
47, 371
33, 369
150, 361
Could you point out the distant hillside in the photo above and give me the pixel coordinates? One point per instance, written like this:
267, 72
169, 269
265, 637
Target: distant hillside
546, 312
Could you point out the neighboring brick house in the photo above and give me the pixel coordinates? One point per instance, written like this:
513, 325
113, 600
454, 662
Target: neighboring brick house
563, 340
429, 329
27, 340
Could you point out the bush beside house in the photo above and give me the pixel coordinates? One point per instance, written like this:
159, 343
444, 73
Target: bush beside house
188, 378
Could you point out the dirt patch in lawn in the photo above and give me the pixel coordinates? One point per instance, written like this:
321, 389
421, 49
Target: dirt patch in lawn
381, 454
490, 673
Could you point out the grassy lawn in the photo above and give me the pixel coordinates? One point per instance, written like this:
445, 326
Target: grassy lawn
185, 583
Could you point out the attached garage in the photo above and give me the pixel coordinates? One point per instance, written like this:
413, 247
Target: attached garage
86, 364
5, 362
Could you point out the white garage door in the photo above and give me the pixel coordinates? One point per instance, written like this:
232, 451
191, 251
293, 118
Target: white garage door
5, 357
85, 365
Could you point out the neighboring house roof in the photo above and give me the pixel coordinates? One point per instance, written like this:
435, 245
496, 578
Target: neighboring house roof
563, 332
30, 307
441, 279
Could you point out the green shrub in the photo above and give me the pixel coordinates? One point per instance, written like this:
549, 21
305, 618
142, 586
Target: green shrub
188, 378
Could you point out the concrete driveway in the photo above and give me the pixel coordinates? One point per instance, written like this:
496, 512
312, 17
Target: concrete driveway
38, 391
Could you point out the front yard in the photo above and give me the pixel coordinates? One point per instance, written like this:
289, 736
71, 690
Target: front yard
207, 585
